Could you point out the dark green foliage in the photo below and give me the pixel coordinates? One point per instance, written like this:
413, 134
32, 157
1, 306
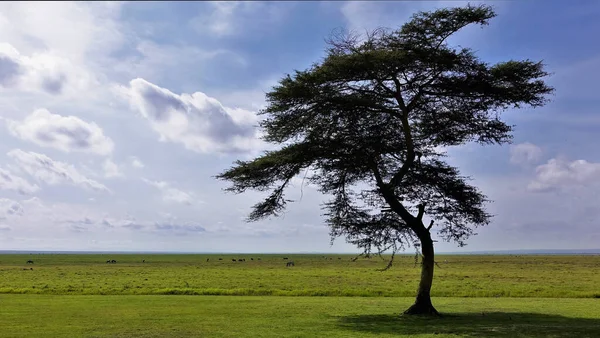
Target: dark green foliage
371, 121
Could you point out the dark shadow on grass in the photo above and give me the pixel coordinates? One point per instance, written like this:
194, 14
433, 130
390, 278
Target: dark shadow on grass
493, 324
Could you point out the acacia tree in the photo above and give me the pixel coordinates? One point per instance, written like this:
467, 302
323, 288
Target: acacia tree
371, 121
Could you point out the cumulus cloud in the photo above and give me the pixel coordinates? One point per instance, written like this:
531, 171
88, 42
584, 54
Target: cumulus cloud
171, 194
136, 162
9, 181
525, 154
197, 121
559, 173
52, 172
43, 71
111, 169
59, 50
65, 133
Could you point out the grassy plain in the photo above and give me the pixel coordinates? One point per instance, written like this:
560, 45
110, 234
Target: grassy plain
252, 316
59, 295
312, 275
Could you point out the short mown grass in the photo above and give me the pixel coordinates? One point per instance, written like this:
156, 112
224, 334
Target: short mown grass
312, 275
215, 316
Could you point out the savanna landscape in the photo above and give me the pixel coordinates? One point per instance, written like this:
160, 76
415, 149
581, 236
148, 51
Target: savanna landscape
198, 295
383, 132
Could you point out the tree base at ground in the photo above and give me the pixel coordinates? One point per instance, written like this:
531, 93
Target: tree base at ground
422, 309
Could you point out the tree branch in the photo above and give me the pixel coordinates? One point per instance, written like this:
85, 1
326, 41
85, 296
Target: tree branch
421, 211
410, 153
410, 148
430, 225
390, 198
413, 103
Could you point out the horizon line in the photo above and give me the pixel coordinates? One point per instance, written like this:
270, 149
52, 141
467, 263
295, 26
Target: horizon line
481, 252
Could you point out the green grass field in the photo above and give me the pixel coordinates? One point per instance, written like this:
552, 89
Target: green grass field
252, 316
312, 275
480, 296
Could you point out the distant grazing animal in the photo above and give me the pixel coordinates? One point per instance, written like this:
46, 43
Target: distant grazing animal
258, 259
30, 262
290, 263
108, 261
143, 261
220, 258
233, 260
207, 259
251, 258
285, 258
113, 261
339, 257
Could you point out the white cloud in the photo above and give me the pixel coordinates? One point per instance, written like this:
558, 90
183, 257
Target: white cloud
9, 181
525, 153
171, 194
136, 162
111, 169
58, 50
65, 133
43, 71
74, 29
45, 169
197, 121
561, 174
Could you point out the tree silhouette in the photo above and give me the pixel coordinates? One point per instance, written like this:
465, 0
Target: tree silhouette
372, 120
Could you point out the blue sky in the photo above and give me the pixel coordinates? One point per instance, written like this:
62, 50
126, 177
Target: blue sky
96, 153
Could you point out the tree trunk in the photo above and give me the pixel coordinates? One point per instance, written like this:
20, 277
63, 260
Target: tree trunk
423, 305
